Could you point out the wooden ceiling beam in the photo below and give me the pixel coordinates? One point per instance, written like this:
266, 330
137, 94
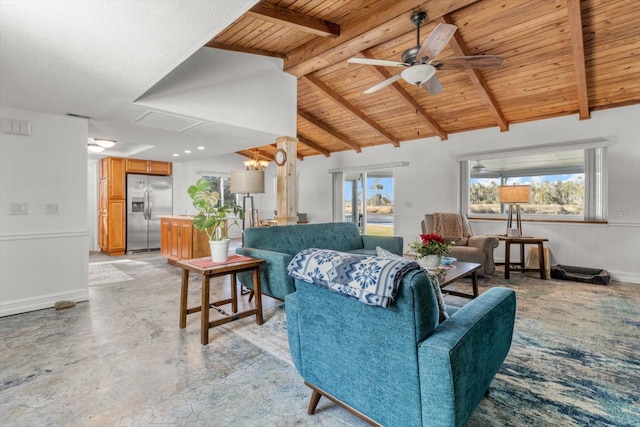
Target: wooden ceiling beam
406, 98
313, 145
329, 130
243, 49
361, 31
254, 152
347, 106
577, 48
289, 18
460, 48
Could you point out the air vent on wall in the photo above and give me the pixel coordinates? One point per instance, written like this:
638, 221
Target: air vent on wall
166, 121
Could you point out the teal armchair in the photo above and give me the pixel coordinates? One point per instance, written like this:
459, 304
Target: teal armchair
398, 366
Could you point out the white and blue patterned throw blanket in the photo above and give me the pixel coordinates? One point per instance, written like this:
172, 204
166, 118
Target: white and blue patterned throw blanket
370, 280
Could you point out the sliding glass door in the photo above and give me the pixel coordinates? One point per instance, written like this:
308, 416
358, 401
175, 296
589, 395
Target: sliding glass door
368, 201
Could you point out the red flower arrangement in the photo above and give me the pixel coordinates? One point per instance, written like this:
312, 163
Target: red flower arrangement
430, 244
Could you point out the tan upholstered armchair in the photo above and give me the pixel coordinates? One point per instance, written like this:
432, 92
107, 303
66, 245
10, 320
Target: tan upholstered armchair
467, 248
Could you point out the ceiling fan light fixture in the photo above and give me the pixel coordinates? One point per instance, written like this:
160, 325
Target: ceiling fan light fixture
418, 74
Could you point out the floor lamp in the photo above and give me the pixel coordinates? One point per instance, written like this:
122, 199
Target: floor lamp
247, 182
514, 194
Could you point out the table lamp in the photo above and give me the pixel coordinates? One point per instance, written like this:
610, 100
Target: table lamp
514, 194
247, 182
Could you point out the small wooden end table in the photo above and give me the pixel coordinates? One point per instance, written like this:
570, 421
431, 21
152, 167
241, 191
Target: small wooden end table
207, 269
520, 266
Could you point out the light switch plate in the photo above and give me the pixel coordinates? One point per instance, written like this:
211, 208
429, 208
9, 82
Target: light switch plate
51, 208
19, 208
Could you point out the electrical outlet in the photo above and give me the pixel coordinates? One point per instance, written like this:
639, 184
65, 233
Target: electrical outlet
51, 208
19, 208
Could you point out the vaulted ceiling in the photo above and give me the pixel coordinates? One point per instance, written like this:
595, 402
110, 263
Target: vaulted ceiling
561, 57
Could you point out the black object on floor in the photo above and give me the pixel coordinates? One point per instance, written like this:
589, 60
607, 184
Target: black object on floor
580, 274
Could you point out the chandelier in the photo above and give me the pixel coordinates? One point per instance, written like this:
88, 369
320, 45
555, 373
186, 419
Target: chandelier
256, 164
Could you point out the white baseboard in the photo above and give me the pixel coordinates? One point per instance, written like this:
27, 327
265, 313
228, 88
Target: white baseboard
616, 276
9, 308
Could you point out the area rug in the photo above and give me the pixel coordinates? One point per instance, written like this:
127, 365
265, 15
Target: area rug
573, 361
271, 336
104, 274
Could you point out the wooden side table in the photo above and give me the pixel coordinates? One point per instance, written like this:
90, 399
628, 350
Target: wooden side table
207, 269
521, 241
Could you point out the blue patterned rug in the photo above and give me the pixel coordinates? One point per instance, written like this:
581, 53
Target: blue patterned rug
574, 360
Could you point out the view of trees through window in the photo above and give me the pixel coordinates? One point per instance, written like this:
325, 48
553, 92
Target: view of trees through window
549, 195
222, 184
379, 202
557, 185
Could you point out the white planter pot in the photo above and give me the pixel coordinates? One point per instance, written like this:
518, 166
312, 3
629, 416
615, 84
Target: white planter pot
429, 261
219, 250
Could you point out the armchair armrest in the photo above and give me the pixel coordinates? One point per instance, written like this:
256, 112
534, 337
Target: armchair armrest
274, 278
471, 346
390, 243
486, 243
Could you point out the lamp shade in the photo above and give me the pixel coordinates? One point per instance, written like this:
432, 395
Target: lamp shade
514, 193
247, 181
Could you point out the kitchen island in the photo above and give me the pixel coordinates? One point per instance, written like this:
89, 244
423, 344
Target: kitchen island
180, 240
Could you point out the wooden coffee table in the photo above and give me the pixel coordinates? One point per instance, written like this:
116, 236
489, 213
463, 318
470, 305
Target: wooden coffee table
460, 270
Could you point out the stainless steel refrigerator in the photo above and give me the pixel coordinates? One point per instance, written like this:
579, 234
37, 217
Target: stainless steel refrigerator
148, 198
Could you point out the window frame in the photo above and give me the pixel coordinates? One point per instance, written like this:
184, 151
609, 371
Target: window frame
595, 179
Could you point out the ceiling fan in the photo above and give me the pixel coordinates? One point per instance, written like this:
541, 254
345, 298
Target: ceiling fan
420, 65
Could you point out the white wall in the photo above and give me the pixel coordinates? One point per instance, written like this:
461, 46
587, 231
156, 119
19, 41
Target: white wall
43, 257
430, 183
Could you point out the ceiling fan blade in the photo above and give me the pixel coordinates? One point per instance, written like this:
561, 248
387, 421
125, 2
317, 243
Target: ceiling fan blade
381, 62
463, 62
383, 83
432, 86
436, 41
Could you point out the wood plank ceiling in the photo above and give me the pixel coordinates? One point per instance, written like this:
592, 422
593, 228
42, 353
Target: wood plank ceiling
561, 57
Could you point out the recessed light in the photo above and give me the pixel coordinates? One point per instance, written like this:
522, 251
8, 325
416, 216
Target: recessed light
200, 148
176, 155
187, 151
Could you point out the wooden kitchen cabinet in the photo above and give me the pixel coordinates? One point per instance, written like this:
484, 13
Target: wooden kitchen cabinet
112, 206
112, 199
179, 240
150, 167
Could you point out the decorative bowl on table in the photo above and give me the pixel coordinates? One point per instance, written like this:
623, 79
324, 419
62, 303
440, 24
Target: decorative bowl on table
447, 260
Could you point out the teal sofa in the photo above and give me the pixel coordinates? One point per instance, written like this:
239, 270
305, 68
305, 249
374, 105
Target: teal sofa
278, 245
398, 366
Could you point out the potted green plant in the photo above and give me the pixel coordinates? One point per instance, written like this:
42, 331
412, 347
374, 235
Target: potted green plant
212, 217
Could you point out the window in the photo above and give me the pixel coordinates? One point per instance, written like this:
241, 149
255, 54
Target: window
564, 183
221, 184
